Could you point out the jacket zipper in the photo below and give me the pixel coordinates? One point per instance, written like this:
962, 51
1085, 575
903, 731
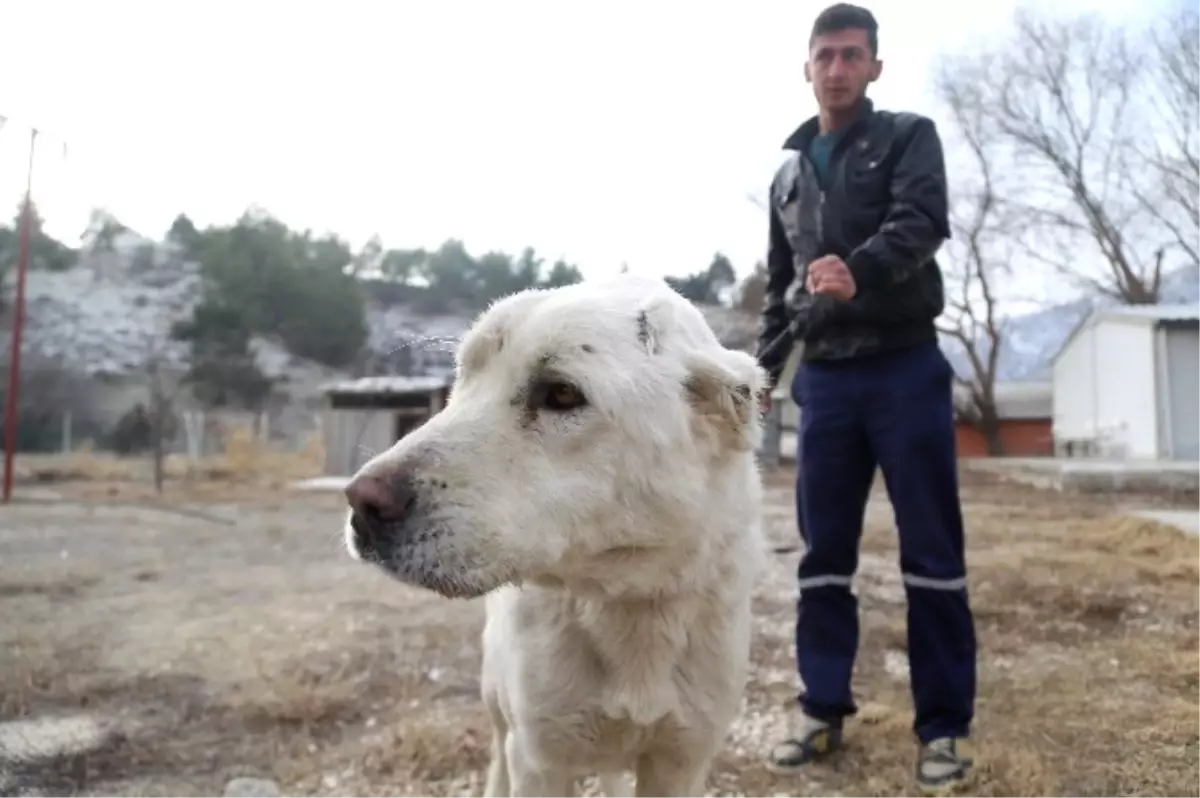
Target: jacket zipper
820, 231
821, 219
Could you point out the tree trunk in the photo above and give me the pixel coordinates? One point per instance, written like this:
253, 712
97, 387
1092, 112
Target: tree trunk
159, 453
989, 427
157, 411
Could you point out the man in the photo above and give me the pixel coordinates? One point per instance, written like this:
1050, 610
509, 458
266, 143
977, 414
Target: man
857, 214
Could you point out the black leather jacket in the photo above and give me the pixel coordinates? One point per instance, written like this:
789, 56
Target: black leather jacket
884, 213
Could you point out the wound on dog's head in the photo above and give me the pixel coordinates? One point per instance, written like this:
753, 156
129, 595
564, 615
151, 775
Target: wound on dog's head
645, 333
643, 329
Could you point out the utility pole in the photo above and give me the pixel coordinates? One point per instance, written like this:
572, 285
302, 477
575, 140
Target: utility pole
14, 361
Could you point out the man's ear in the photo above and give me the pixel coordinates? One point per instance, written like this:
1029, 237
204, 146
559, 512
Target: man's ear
807, 73
724, 388
876, 71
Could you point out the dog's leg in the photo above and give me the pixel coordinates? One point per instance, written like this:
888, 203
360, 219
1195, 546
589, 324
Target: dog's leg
531, 784
615, 784
660, 776
497, 777
530, 780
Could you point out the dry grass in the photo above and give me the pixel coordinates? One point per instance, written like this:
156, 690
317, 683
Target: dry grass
1088, 649
37, 671
256, 648
244, 467
177, 735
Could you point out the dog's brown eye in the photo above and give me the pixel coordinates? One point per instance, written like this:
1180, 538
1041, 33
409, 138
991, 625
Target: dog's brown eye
563, 396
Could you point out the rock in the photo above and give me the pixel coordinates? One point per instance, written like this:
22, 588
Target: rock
251, 788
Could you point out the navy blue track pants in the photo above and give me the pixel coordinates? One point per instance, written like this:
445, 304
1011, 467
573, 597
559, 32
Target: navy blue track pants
892, 410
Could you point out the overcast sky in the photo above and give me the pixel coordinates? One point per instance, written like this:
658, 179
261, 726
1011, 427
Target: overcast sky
602, 132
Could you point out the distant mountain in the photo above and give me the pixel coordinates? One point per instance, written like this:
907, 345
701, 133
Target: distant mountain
1032, 339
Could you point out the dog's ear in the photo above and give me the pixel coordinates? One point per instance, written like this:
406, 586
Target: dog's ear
724, 388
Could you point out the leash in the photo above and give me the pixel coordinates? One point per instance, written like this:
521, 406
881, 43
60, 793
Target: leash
788, 334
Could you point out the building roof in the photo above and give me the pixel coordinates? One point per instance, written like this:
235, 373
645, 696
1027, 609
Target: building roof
1187, 312
389, 385
1020, 400
1149, 314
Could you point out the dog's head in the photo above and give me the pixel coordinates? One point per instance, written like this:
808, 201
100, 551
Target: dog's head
586, 423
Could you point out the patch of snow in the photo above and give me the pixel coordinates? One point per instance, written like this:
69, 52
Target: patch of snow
246, 787
46, 737
108, 321
1186, 520
895, 663
322, 484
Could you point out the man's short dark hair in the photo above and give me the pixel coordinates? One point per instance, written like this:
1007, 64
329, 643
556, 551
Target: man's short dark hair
844, 16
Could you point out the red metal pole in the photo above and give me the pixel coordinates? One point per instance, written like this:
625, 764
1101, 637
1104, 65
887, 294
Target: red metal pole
14, 360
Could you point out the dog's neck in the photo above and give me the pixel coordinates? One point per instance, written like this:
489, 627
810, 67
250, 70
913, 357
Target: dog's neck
642, 609
641, 573
641, 642
636, 566
627, 573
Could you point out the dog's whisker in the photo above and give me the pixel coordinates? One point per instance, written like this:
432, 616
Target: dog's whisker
338, 539
435, 343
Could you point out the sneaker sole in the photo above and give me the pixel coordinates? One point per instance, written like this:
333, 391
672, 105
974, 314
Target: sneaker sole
953, 787
789, 770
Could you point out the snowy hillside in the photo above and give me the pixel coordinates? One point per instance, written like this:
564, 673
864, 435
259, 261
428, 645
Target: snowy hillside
114, 310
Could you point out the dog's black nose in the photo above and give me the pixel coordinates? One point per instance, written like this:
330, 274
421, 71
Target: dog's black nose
379, 500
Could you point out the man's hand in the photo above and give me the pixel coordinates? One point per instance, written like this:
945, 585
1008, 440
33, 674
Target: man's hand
829, 276
764, 402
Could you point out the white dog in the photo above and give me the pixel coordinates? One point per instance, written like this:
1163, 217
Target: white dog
594, 474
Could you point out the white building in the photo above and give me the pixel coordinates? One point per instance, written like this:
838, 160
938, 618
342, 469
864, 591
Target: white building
1127, 384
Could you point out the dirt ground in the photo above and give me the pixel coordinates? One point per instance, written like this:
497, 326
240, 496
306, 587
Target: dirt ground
222, 632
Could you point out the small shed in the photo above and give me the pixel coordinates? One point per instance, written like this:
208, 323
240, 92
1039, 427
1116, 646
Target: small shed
1127, 384
1025, 410
366, 416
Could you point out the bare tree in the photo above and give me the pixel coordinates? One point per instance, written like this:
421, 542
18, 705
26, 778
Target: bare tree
1173, 156
978, 251
752, 291
1066, 96
163, 397
159, 407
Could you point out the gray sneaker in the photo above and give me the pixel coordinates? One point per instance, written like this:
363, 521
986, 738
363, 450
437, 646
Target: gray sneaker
944, 765
811, 740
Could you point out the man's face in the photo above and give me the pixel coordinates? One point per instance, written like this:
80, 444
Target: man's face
839, 67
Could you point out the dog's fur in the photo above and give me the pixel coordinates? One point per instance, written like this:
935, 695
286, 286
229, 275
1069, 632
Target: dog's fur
617, 541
